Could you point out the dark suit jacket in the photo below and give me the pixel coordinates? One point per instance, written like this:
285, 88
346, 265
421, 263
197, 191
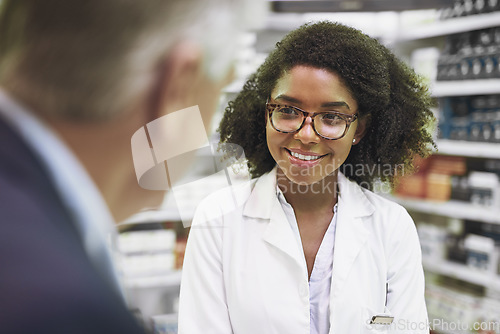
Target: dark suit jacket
47, 283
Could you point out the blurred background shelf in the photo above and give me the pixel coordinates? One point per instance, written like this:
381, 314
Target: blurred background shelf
462, 272
454, 209
450, 26
466, 87
468, 149
172, 279
436, 329
303, 6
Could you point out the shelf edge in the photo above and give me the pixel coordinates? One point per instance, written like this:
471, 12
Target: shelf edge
465, 87
451, 26
468, 149
454, 209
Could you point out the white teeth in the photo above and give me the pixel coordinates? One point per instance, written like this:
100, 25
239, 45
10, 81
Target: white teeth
305, 157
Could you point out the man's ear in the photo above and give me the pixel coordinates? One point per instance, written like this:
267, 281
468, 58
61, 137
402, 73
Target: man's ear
177, 76
363, 125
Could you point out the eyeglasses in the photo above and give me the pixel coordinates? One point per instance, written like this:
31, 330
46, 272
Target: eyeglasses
329, 124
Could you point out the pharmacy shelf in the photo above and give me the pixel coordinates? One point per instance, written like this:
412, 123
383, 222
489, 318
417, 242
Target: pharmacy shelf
454, 209
465, 87
468, 149
152, 216
441, 330
450, 26
172, 279
462, 272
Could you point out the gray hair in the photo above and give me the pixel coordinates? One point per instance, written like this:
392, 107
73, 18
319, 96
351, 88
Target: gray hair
89, 60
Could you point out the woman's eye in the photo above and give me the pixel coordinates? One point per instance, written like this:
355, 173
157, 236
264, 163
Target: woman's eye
288, 111
331, 118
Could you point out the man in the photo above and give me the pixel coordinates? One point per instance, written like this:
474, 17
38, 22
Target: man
78, 79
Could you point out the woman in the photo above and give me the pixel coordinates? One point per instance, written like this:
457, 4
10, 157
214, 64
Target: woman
306, 247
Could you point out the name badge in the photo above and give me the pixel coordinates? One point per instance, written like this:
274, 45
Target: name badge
381, 320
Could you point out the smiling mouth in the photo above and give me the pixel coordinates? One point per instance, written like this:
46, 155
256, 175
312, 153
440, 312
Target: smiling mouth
304, 157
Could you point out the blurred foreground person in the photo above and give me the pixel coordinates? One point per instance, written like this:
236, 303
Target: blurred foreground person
78, 78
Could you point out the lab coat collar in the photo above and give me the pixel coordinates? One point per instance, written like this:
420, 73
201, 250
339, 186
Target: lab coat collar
351, 235
351, 230
260, 204
263, 196
263, 203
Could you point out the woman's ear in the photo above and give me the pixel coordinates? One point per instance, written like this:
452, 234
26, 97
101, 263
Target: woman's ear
363, 125
177, 76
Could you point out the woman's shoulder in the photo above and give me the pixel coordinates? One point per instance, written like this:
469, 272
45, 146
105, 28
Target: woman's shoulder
389, 220
369, 200
381, 199
389, 213
392, 217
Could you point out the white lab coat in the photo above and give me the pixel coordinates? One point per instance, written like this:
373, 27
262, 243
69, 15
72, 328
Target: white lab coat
244, 272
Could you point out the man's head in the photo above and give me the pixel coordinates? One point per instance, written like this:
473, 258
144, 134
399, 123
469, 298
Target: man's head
89, 60
98, 70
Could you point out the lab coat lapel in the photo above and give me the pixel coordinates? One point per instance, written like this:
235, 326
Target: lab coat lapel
264, 204
350, 235
280, 235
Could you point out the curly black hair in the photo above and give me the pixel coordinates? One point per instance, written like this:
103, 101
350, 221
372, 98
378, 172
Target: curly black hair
385, 88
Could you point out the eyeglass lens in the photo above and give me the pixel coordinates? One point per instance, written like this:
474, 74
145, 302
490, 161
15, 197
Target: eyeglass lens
328, 124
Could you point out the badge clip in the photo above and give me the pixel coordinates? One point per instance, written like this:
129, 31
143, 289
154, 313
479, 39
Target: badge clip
381, 320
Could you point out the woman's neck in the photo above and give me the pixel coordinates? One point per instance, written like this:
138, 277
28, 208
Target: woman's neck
316, 196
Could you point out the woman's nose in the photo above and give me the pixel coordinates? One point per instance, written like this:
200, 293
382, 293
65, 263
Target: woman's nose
306, 134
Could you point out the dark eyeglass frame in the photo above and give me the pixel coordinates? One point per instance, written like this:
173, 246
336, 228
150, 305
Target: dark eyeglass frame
271, 107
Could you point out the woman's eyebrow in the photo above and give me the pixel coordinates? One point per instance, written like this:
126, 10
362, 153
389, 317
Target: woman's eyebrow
335, 104
287, 98
324, 105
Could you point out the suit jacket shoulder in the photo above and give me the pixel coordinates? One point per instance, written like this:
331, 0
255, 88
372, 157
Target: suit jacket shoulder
48, 283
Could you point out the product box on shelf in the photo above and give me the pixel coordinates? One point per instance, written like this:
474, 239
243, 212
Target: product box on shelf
495, 124
483, 238
441, 178
460, 189
473, 118
461, 8
147, 252
433, 178
432, 241
456, 251
485, 188
451, 309
470, 55
489, 317
480, 126
482, 254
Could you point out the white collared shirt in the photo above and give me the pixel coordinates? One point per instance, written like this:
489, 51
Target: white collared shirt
78, 191
321, 275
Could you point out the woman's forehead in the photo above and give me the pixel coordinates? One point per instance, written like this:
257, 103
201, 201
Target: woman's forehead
307, 85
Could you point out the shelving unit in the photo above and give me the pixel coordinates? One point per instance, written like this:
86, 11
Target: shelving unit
453, 209
468, 149
441, 330
432, 35
462, 272
465, 87
450, 26
172, 279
